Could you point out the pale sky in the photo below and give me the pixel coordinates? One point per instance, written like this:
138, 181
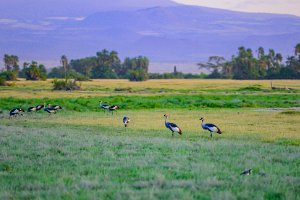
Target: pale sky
265, 6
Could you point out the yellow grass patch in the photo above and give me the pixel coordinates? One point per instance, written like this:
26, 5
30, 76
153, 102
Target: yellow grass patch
234, 123
42, 89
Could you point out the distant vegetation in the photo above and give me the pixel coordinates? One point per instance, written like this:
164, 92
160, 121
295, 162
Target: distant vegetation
65, 85
107, 65
246, 66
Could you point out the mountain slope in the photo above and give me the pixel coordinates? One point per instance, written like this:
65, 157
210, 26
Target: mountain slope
39, 9
175, 34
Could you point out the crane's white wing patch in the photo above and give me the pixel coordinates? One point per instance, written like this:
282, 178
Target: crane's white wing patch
175, 129
213, 129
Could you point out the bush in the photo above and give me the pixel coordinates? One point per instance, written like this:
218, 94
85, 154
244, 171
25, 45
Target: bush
127, 89
35, 72
77, 76
65, 85
9, 75
2, 82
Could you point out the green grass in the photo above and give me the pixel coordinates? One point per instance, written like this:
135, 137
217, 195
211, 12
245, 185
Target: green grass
83, 153
98, 162
162, 101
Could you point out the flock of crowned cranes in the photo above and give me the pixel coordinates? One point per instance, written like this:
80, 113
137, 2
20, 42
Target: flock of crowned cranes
173, 127
52, 109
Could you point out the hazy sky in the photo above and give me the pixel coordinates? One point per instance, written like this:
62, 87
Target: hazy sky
266, 6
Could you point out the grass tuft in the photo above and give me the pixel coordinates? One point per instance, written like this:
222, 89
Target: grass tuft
290, 112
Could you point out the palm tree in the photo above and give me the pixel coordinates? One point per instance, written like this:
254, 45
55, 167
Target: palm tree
103, 57
278, 58
271, 58
297, 49
114, 57
15, 63
64, 62
7, 62
261, 52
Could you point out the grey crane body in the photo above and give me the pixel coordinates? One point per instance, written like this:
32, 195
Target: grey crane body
126, 120
246, 172
210, 127
16, 111
104, 106
173, 127
39, 107
113, 108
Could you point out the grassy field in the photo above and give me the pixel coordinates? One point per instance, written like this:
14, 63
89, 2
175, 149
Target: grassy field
96, 88
84, 153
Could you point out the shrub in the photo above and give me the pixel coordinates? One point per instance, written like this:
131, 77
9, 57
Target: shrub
2, 82
9, 75
35, 72
65, 85
77, 76
126, 89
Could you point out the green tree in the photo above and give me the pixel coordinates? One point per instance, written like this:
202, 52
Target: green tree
57, 72
11, 62
215, 65
7, 62
108, 64
137, 68
297, 49
278, 58
245, 65
84, 65
35, 71
65, 64
271, 58
261, 53
22, 72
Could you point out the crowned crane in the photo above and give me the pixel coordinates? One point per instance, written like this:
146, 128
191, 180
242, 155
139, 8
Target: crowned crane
173, 127
50, 110
15, 112
246, 172
113, 108
104, 106
126, 120
210, 127
31, 109
39, 107
54, 107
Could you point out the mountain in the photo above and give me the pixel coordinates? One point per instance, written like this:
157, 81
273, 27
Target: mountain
39, 9
168, 35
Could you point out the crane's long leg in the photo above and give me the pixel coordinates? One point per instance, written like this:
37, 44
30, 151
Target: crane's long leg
211, 134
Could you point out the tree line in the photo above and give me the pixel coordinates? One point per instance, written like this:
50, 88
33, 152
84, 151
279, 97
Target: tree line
107, 65
244, 65
30, 71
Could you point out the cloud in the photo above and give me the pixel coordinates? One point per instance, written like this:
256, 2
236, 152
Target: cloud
14, 23
149, 33
8, 21
263, 6
61, 18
